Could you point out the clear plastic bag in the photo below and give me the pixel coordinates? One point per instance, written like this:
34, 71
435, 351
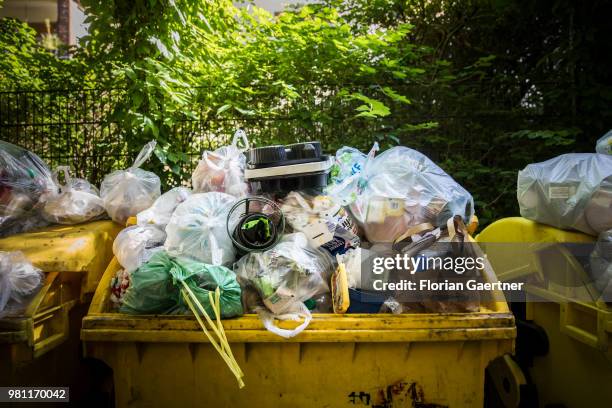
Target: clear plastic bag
127, 192
601, 265
19, 279
161, 210
197, 229
24, 181
604, 144
399, 189
295, 312
223, 169
571, 191
286, 275
325, 223
136, 244
77, 200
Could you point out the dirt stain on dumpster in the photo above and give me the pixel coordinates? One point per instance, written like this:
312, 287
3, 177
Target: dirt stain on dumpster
400, 394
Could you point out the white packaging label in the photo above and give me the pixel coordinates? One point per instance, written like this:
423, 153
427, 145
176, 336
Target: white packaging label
561, 192
318, 233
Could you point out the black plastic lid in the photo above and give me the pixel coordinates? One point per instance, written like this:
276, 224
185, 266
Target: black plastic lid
308, 150
278, 155
267, 155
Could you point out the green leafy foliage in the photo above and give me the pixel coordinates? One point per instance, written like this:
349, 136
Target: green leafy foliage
482, 87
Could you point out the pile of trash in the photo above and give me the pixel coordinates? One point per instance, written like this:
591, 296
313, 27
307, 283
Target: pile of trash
32, 196
289, 227
280, 231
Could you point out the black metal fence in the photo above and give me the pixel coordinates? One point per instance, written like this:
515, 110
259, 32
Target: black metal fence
80, 127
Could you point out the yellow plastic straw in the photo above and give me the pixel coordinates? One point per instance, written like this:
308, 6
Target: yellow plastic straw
223, 347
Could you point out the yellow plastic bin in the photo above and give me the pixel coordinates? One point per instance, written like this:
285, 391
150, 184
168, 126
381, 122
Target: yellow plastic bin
378, 360
33, 341
577, 370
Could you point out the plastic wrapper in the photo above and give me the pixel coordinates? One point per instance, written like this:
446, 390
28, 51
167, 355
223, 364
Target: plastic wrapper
19, 279
127, 192
288, 274
348, 162
601, 265
156, 287
161, 210
325, 224
198, 229
24, 181
222, 170
352, 264
604, 144
400, 189
571, 191
119, 286
76, 201
135, 245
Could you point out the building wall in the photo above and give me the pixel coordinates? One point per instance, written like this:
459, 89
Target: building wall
35, 12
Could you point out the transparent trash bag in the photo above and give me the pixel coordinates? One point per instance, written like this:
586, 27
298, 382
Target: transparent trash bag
161, 210
601, 265
325, 223
604, 144
197, 229
19, 279
127, 192
77, 200
286, 275
223, 169
24, 181
399, 189
157, 285
135, 245
571, 191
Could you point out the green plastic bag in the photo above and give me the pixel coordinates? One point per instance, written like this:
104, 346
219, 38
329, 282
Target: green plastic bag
156, 286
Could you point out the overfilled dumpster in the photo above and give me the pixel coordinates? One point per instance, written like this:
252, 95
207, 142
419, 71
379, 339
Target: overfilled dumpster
338, 360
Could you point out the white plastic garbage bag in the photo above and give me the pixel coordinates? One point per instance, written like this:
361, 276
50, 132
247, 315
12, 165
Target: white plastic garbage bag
571, 191
19, 279
127, 192
399, 189
198, 229
135, 245
77, 200
161, 210
223, 169
604, 144
286, 275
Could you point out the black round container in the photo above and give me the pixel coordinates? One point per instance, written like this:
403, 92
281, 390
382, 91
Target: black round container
258, 224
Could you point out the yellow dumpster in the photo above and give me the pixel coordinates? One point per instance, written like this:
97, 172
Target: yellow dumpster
375, 360
73, 259
577, 370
